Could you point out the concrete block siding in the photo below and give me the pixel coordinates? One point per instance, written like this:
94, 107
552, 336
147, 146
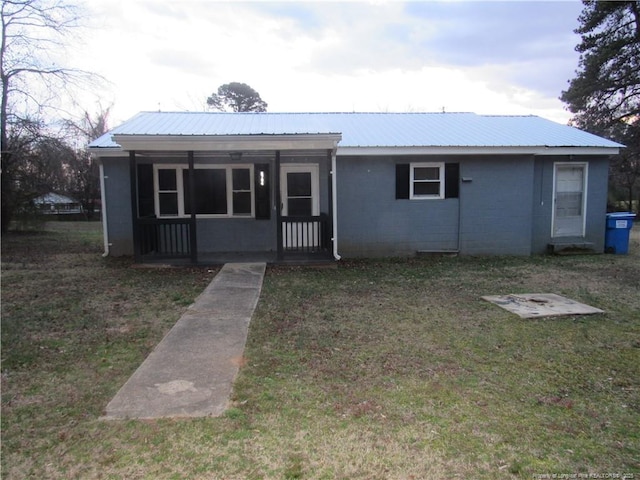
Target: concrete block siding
495, 213
505, 206
118, 206
492, 214
372, 222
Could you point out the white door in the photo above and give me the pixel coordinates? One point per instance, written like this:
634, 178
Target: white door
299, 187
569, 200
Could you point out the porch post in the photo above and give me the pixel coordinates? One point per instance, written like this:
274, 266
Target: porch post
334, 201
133, 179
193, 238
280, 256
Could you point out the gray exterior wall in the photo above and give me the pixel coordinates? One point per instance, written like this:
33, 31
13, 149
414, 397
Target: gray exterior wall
597, 189
236, 235
118, 205
371, 222
214, 235
495, 199
505, 206
217, 235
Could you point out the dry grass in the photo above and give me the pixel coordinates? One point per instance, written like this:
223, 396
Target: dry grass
374, 370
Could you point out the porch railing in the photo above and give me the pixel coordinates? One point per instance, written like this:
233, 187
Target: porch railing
171, 237
165, 237
306, 234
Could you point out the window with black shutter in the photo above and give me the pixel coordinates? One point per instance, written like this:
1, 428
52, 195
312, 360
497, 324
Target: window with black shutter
427, 180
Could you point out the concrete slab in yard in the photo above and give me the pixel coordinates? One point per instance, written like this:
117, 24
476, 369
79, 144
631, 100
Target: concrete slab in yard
533, 305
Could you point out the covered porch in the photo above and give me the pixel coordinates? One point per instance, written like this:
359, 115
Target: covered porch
214, 199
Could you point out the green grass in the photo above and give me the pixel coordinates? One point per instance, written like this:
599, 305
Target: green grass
374, 369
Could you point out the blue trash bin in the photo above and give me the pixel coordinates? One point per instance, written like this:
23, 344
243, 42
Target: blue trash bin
616, 239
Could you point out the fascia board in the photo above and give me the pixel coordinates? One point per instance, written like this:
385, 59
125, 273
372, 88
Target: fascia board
379, 151
226, 143
102, 152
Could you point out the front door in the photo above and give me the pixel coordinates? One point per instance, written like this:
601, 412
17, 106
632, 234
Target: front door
299, 186
569, 200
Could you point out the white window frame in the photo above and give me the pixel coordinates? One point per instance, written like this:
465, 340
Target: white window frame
228, 168
156, 190
231, 191
440, 167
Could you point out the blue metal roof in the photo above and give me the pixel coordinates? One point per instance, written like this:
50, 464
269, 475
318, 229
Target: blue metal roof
366, 129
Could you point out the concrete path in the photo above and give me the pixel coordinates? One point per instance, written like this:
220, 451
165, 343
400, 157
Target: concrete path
191, 371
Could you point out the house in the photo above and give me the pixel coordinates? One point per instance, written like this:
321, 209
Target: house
197, 185
57, 204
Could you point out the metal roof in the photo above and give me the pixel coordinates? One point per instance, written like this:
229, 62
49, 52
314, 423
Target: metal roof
53, 198
370, 130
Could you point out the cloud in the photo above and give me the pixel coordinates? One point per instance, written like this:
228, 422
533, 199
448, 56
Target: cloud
532, 43
473, 33
490, 57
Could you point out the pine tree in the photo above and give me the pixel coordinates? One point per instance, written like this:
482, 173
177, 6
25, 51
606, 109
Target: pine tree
605, 94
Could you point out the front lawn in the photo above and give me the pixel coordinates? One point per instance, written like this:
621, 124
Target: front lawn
373, 370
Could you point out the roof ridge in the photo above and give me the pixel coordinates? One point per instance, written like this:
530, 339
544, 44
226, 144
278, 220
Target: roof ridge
508, 115
182, 112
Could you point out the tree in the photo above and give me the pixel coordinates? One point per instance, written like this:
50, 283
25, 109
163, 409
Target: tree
237, 97
41, 168
33, 33
605, 94
82, 170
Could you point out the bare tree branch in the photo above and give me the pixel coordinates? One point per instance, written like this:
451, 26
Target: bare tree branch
33, 78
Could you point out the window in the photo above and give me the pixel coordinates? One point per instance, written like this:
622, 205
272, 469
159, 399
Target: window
426, 180
219, 190
241, 187
167, 192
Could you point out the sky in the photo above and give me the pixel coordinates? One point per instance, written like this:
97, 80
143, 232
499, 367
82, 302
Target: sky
488, 57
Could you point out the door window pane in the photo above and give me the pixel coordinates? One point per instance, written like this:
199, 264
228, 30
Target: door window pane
569, 204
299, 184
299, 207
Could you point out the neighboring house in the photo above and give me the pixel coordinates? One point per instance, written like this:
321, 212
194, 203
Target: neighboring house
350, 184
56, 204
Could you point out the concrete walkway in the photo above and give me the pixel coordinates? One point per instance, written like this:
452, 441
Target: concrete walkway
191, 371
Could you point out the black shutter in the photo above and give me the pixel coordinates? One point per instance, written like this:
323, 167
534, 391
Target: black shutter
145, 190
262, 182
402, 181
451, 180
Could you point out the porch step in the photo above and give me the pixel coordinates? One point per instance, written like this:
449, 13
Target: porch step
571, 248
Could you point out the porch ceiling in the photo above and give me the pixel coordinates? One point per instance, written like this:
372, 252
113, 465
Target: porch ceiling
244, 143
